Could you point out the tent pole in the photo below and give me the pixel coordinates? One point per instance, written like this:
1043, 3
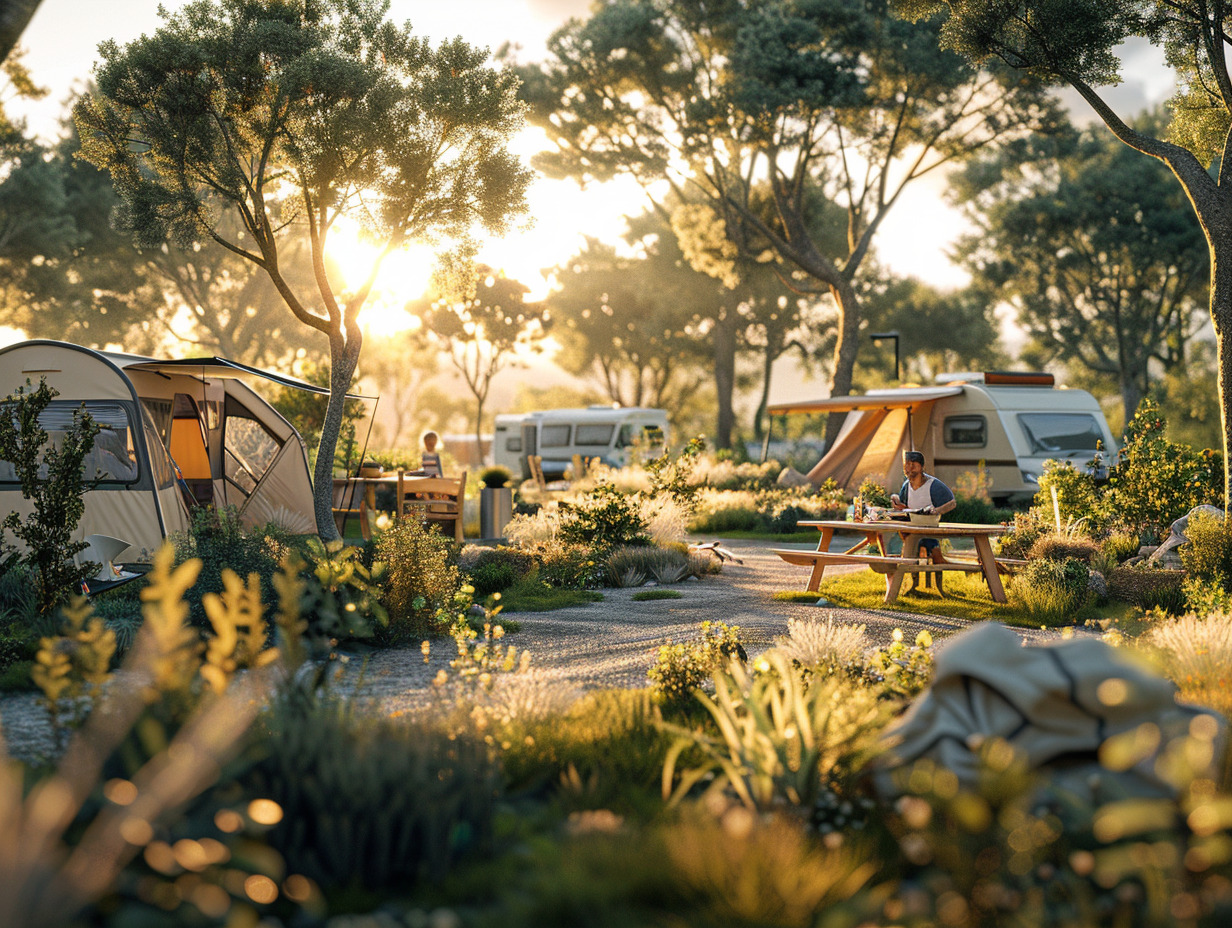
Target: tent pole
765, 442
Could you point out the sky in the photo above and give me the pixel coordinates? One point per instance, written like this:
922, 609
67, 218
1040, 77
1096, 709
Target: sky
62, 40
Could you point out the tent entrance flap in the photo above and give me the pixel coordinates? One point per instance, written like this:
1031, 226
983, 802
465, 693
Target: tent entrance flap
871, 444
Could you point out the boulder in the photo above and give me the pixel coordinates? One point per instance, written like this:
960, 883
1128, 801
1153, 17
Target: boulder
1167, 555
790, 477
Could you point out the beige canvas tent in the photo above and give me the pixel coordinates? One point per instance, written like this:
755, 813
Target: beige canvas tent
1008, 422
232, 448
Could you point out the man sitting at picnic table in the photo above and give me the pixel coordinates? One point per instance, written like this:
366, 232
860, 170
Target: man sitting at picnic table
923, 492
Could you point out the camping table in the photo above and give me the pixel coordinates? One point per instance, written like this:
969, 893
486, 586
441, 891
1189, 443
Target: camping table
365, 488
875, 533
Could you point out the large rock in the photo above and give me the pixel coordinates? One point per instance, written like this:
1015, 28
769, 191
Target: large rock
1167, 555
790, 477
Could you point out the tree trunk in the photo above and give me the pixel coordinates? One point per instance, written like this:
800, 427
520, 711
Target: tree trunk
845, 348
1221, 317
1131, 394
343, 357
723, 339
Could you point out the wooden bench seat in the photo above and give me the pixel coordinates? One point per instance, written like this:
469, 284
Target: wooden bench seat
893, 567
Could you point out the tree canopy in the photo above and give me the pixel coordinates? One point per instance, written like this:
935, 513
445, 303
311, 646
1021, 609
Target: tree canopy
713, 101
287, 117
1098, 251
1075, 42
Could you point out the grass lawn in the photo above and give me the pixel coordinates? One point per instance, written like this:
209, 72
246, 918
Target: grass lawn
533, 595
646, 595
966, 598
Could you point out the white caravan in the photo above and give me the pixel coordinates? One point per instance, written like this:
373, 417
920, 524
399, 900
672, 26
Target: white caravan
556, 435
1010, 422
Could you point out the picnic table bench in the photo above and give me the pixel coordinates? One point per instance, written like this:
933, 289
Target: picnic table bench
895, 567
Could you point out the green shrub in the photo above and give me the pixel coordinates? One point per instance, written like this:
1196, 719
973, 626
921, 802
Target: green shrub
1052, 591
219, 540
736, 519
1059, 547
978, 511
682, 668
50, 474
421, 580
531, 594
497, 569
372, 803
570, 566
121, 614
604, 518
341, 598
18, 644
1148, 587
495, 476
1119, 547
1208, 555
1156, 481
1206, 597
783, 520
634, 566
1077, 495
1017, 542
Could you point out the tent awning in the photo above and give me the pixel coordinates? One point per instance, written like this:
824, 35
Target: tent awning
226, 368
907, 398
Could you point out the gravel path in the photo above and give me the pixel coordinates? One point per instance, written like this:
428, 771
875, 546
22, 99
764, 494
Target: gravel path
605, 644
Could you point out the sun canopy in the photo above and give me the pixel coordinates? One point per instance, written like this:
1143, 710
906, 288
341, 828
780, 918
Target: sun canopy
225, 368
905, 398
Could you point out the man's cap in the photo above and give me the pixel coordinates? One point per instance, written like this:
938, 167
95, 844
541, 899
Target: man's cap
916, 456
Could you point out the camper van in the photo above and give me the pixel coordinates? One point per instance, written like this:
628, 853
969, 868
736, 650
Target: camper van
556, 435
174, 434
1009, 422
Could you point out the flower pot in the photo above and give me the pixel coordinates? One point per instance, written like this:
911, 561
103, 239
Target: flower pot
495, 511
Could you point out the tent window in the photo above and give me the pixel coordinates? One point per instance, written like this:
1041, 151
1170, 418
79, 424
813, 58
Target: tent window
250, 448
966, 431
1052, 432
160, 465
112, 459
554, 436
159, 412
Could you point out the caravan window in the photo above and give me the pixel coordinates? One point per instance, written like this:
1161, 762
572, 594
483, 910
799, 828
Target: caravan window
554, 436
650, 435
113, 457
250, 448
594, 435
1054, 432
514, 444
966, 431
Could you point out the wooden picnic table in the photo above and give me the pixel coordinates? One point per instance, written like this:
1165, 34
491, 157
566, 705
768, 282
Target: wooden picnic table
895, 567
357, 496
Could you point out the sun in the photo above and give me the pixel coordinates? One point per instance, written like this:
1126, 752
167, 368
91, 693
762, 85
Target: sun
404, 276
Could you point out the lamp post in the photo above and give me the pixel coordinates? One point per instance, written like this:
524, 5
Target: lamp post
878, 336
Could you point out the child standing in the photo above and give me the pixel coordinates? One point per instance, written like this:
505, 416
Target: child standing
431, 463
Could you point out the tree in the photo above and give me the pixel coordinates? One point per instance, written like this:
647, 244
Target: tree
939, 331
625, 323
1074, 42
711, 101
1096, 249
483, 322
15, 15
289, 116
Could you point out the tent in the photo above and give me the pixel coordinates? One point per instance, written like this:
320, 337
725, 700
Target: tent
231, 447
879, 427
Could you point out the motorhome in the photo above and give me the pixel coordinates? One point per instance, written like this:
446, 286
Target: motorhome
1008, 422
608, 433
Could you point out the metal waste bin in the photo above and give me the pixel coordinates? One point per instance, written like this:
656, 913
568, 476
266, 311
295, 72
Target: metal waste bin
495, 511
